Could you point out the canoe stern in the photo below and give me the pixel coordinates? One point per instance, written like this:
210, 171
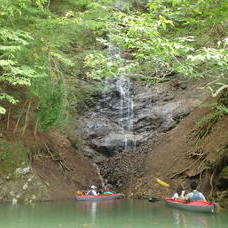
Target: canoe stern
198, 206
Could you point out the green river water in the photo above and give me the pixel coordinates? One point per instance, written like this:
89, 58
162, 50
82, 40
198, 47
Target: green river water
106, 214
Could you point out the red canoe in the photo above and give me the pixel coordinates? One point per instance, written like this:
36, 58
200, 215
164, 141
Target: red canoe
112, 196
199, 206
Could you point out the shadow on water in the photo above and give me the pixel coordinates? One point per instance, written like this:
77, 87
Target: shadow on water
105, 214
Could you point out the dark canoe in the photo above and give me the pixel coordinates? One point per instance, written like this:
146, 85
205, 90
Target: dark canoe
112, 196
199, 206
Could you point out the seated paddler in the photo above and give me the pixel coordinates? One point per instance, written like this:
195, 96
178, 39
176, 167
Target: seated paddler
107, 190
179, 194
195, 195
92, 191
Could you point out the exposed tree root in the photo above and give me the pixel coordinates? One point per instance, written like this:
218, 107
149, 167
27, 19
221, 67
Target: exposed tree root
199, 163
26, 118
19, 118
211, 183
58, 159
8, 119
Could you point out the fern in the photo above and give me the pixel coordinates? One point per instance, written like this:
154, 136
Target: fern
12, 71
10, 99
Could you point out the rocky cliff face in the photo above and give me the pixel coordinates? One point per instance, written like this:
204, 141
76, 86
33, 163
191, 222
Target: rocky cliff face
117, 126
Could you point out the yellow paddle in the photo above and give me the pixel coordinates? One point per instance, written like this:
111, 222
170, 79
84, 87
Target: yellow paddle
162, 183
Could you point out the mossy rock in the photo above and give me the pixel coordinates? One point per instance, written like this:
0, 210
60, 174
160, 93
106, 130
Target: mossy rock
12, 156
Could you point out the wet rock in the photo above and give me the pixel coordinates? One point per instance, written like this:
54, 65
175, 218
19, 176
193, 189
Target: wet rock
109, 144
117, 130
155, 110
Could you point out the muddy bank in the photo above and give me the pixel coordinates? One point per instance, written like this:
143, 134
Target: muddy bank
181, 155
51, 170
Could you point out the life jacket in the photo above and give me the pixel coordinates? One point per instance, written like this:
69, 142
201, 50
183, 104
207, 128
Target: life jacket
90, 192
196, 196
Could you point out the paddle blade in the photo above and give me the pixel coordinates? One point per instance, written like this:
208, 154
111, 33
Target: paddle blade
153, 199
162, 183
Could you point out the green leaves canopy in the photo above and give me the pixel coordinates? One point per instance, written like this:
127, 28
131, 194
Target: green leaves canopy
170, 37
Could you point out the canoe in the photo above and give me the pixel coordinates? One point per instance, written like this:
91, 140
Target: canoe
112, 196
199, 206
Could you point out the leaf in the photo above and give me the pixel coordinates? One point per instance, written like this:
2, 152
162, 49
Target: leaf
2, 110
7, 62
10, 99
164, 26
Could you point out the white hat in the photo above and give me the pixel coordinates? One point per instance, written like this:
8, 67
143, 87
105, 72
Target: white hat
93, 187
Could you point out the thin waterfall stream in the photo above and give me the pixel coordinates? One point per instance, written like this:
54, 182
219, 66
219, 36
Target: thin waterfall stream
126, 101
126, 111
109, 127
103, 182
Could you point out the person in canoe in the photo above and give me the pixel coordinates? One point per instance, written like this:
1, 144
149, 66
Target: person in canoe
92, 191
194, 195
107, 190
179, 195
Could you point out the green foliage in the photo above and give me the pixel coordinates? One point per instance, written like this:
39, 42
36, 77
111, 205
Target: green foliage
81, 96
223, 109
101, 66
12, 155
170, 37
11, 11
52, 103
69, 6
206, 123
222, 104
45, 43
224, 173
38, 48
14, 42
12, 72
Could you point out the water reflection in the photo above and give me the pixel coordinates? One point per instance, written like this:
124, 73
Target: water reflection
93, 212
92, 209
106, 214
190, 219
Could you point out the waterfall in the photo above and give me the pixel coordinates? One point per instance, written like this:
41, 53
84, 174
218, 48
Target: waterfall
123, 85
109, 127
103, 182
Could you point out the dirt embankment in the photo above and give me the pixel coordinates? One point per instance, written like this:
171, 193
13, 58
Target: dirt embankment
65, 171
190, 151
52, 168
